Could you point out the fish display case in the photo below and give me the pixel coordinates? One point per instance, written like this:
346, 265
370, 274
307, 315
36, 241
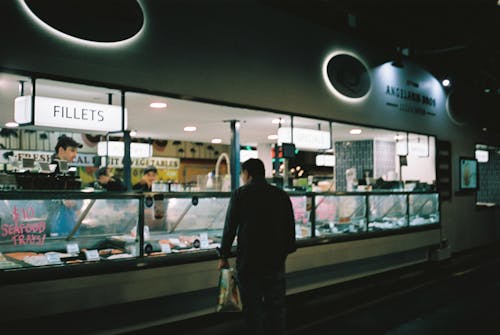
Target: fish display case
387, 211
340, 214
62, 228
423, 209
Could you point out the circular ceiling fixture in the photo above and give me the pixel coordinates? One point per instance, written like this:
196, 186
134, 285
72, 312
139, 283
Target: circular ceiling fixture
104, 21
346, 76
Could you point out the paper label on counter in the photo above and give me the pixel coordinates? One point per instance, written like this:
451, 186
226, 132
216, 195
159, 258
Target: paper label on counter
72, 248
165, 247
92, 255
53, 258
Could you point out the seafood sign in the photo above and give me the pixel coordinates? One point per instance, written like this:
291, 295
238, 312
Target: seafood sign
25, 228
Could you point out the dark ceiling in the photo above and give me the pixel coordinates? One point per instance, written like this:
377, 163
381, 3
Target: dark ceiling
450, 38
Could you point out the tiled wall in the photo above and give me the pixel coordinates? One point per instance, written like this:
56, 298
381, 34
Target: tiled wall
489, 180
384, 158
357, 154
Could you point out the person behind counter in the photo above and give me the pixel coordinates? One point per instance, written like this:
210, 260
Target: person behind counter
261, 215
66, 149
104, 181
63, 212
150, 175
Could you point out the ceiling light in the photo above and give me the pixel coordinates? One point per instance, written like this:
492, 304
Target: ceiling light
158, 105
11, 124
133, 133
272, 137
190, 128
355, 131
278, 121
446, 82
216, 140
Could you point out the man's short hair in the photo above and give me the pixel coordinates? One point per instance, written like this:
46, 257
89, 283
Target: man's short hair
103, 171
254, 167
150, 168
64, 142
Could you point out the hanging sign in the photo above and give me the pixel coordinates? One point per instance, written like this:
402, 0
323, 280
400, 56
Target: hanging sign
117, 149
305, 138
69, 114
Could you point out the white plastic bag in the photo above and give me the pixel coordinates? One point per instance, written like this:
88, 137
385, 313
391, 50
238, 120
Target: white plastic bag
229, 294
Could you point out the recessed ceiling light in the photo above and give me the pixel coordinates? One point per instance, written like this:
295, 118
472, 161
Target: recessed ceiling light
158, 105
190, 128
11, 124
355, 131
216, 140
272, 137
446, 82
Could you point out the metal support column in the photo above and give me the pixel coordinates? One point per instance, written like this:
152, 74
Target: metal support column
235, 155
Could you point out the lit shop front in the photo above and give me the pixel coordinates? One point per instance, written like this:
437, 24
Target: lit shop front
350, 185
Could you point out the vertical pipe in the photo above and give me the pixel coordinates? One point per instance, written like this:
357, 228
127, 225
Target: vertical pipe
127, 161
235, 154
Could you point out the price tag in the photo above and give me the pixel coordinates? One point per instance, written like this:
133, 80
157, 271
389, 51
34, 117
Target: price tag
92, 255
72, 248
298, 231
132, 250
204, 241
165, 247
53, 258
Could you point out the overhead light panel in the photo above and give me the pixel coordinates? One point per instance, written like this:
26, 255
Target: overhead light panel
158, 105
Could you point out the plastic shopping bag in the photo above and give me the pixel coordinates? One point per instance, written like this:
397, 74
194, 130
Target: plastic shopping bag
229, 294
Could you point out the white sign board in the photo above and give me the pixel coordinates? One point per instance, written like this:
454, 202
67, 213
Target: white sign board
117, 149
305, 138
69, 114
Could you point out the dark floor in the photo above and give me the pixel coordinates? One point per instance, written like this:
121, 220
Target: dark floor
465, 302
460, 295
456, 296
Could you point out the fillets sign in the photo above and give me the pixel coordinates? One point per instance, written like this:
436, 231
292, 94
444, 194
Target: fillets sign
69, 114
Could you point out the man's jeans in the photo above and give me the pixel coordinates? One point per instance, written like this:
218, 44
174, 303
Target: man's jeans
263, 298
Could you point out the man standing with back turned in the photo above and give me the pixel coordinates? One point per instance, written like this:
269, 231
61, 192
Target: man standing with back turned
262, 217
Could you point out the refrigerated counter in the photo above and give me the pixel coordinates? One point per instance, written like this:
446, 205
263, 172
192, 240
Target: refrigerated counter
52, 242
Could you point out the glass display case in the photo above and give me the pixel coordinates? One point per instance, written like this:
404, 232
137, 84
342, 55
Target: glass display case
54, 228
340, 214
183, 222
424, 208
39, 229
387, 211
301, 209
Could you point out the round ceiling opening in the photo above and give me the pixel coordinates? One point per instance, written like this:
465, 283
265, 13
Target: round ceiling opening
348, 76
91, 20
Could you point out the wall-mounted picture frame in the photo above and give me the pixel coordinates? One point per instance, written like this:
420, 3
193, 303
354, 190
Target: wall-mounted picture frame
468, 174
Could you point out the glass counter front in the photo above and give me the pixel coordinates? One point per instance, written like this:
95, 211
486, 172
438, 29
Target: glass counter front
39, 229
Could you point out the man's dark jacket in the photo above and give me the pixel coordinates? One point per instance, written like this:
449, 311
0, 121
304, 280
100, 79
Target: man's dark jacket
262, 217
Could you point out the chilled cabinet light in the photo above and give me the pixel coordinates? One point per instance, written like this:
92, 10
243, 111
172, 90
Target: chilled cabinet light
216, 140
355, 131
190, 128
158, 105
11, 124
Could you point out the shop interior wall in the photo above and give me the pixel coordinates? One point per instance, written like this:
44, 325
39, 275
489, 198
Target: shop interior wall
251, 55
